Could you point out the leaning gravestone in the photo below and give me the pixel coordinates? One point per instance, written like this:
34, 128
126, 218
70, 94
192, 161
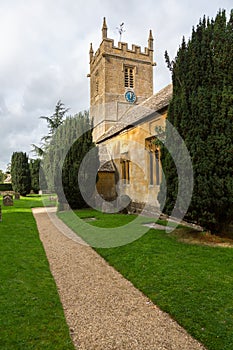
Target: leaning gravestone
17, 195
8, 200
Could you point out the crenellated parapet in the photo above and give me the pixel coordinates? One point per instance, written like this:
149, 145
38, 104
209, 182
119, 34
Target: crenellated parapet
107, 47
122, 50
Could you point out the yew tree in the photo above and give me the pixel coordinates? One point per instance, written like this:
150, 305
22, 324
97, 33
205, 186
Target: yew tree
20, 173
201, 110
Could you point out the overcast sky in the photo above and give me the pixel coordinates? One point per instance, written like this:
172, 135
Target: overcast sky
45, 54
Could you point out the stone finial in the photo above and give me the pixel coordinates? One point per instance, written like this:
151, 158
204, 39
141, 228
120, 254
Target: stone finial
91, 52
150, 41
104, 29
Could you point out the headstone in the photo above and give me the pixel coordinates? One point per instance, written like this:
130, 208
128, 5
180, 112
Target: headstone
0, 213
17, 195
66, 207
8, 200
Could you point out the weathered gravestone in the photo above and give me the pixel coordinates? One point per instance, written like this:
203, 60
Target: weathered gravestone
8, 200
17, 195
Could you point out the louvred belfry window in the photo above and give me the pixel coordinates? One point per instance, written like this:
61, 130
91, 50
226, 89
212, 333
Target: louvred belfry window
129, 77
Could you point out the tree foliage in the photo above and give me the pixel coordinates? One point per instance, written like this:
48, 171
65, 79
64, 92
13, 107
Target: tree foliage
20, 173
77, 181
53, 122
62, 159
2, 176
202, 111
34, 166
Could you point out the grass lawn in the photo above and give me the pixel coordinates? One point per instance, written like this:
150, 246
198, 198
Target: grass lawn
31, 315
193, 283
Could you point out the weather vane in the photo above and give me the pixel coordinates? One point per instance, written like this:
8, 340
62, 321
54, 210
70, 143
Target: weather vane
121, 30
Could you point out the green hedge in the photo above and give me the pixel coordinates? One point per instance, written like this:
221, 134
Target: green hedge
6, 187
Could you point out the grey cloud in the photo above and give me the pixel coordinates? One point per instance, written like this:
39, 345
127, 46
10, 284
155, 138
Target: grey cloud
44, 54
43, 89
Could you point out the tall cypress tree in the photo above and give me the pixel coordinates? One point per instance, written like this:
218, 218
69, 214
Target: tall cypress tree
34, 166
202, 111
77, 181
68, 147
20, 173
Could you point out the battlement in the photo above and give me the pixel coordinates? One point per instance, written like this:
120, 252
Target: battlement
108, 48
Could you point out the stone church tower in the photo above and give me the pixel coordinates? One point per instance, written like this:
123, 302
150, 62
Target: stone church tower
119, 79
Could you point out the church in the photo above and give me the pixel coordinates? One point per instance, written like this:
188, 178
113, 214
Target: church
126, 118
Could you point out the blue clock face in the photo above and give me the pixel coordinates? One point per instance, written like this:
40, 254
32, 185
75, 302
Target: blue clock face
130, 96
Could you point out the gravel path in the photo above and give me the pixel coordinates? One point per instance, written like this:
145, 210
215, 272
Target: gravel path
104, 311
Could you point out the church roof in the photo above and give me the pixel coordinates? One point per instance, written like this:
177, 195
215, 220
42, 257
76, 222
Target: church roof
159, 100
138, 113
